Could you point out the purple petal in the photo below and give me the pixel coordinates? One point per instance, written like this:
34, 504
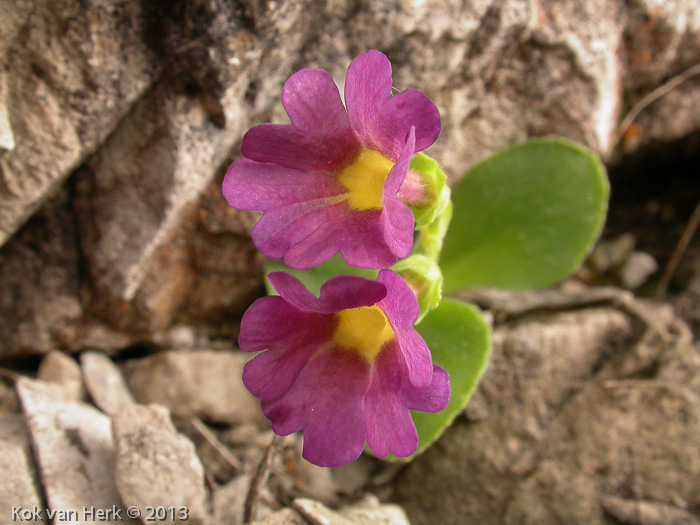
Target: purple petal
411, 108
320, 136
381, 121
281, 229
390, 428
401, 308
431, 398
357, 236
258, 333
347, 291
400, 305
397, 219
270, 374
250, 185
294, 292
397, 174
327, 402
367, 86
417, 356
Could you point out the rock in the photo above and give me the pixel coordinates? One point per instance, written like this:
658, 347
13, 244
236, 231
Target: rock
147, 239
42, 306
73, 71
646, 512
537, 364
62, 370
149, 211
637, 269
155, 465
19, 484
576, 411
228, 501
8, 399
317, 513
614, 438
73, 447
660, 40
352, 478
105, 383
195, 383
282, 517
367, 511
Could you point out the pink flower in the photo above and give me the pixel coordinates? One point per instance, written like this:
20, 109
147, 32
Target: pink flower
346, 367
329, 182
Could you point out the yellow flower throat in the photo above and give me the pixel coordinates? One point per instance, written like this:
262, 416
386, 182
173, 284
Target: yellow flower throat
364, 331
364, 180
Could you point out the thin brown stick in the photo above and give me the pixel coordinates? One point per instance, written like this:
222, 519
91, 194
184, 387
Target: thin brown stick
677, 254
653, 96
214, 442
260, 478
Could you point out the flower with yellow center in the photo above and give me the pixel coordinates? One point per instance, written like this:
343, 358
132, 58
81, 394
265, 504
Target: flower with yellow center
364, 331
330, 181
346, 367
364, 180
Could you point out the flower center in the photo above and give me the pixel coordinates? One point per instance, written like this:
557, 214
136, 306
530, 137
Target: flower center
363, 330
364, 180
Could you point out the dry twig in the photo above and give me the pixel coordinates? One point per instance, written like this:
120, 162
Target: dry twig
677, 254
260, 478
218, 445
653, 96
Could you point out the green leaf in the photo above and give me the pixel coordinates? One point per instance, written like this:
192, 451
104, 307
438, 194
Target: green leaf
526, 217
460, 341
315, 277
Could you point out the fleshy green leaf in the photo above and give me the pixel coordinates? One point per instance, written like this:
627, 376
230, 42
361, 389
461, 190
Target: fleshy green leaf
526, 217
460, 341
315, 277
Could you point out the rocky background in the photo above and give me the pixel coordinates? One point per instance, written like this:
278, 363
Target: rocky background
123, 273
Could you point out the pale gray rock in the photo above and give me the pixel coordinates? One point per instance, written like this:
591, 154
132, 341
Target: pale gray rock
637, 269
155, 244
74, 69
19, 483
356, 475
369, 511
155, 465
8, 399
195, 383
594, 445
7, 138
537, 364
229, 500
646, 512
73, 447
42, 303
105, 383
317, 513
62, 370
285, 516
575, 407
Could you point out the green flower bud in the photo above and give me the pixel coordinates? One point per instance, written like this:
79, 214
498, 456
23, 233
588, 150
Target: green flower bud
423, 276
423, 190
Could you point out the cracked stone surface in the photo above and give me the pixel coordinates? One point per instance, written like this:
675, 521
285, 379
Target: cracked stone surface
575, 407
146, 103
